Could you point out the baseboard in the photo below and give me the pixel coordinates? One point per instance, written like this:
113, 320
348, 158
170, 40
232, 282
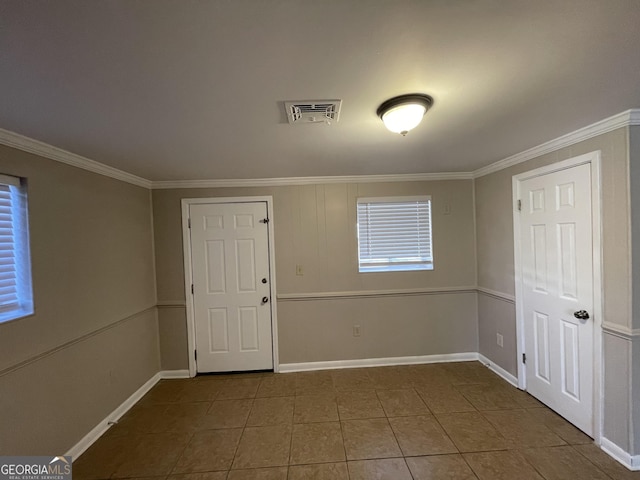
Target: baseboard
377, 362
632, 462
167, 374
91, 437
498, 370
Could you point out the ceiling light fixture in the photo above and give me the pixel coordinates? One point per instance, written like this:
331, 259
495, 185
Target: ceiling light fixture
404, 113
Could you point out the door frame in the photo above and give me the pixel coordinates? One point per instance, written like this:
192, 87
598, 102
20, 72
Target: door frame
594, 160
188, 273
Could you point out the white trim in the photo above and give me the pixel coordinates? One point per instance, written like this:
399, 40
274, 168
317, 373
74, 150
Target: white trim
632, 462
188, 274
621, 331
623, 119
498, 370
278, 182
171, 374
284, 297
29, 145
91, 437
377, 362
594, 160
171, 303
496, 294
26, 144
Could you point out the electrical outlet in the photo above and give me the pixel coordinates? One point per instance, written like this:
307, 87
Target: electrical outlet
356, 330
500, 340
299, 270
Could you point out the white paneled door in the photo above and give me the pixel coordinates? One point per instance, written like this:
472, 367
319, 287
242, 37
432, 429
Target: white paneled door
231, 286
557, 282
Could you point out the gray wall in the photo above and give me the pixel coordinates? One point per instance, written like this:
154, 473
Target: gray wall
494, 220
315, 226
93, 339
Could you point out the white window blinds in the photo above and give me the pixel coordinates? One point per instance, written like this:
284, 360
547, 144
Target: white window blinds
8, 277
394, 233
16, 295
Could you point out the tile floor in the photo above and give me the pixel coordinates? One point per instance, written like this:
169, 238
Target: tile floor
440, 421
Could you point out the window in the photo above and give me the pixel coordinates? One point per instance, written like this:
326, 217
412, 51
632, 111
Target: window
16, 299
394, 234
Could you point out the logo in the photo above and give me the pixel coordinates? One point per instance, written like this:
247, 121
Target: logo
35, 468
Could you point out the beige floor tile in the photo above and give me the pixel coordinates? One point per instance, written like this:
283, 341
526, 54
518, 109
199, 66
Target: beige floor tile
273, 473
154, 454
440, 467
359, 404
371, 438
199, 476
607, 464
209, 450
200, 391
428, 375
235, 388
400, 403
140, 419
386, 469
103, 457
185, 424
505, 465
489, 396
147, 478
314, 383
279, 385
271, 411
524, 400
323, 471
444, 399
317, 443
351, 379
560, 426
390, 378
315, 408
471, 432
263, 447
468, 373
228, 414
165, 391
522, 429
181, 417
421, 435
562, 463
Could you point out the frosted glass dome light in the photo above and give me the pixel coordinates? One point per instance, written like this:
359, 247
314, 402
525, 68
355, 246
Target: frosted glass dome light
404, 113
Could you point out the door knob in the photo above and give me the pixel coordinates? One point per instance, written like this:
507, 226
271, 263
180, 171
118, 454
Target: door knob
264, 280
265, 299
581, 314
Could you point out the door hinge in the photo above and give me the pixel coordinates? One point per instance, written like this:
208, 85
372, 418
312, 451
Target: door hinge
192, 289
524, 358
519, 205
264, 220
189, 222
195, 354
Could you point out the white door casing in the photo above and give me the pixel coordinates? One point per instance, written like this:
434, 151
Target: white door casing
558, 274
230, 313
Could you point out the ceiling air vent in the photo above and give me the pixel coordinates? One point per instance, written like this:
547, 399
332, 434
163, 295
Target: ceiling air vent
313, 111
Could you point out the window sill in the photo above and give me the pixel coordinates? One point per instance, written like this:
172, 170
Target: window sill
17, 314
394, 268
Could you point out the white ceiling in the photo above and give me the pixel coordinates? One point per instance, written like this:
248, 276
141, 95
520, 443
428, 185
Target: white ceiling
194, 89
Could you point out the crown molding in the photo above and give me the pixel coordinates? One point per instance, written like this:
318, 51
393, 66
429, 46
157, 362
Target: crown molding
29, 145
26, 144
624, 119
278, 182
